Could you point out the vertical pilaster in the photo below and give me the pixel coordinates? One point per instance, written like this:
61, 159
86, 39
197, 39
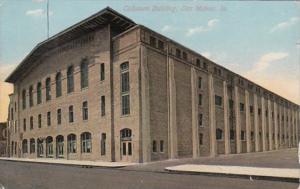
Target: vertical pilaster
212, 116
270, 126
237, 120
256, 129
275, 118
248, 122
297, 127
263, 123
279, 108
194, 104
289, 127
172, 112
285, 125
226, 119
292, 127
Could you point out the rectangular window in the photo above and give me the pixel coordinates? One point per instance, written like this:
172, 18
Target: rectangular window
161, 45
154, 146
259, 111
125, 105
152, 41
102, 73
198, 64
103, 144
200, 100
204, 65
70, 79
200, 117
243, 135
200, 139
71, 114
59, 116
231, 134
24, 125
102, 105
24, 99
251, 109
231, 104
48, 89
218, 100
242, 107
199, 82
161, 146
30, 96
40, 120
31, 122
184, 55
48, 118
85, 111
178, 53
84, 74
39, 93
129, 148
125, 82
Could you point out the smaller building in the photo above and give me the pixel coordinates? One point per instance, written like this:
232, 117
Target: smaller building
3, 139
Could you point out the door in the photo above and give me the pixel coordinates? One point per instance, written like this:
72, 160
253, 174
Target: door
126, 145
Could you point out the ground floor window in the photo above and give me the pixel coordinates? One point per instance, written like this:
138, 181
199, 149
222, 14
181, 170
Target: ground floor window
71, 143
86, 142
32, 146
161, 146
24, 146
103, 143
40, 148
49, 146
154, 146
60, 146
200, 139
219, 134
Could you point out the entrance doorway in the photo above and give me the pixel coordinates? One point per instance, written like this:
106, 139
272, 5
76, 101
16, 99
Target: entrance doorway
126, 144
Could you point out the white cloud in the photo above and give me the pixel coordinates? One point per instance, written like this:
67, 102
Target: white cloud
206, 54
166, 28
38, 12
210, 24
266, 59
283, 25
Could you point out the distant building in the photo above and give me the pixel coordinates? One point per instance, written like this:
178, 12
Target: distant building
110, 89
3, 139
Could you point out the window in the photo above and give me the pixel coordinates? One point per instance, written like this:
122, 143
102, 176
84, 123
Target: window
266, 113
58, 84
40, 148
232, 135
39, 93
205, 65
31, 122
102, 105
24, 125
70, 79
161, 45
199, 82
161, 146
200, 139
154, 146
242, 107
200, 99
32, 146
103, 144
48, 89
60, 146
102, 72
86, 142
71, 114
231, 103
59, 116
84, 74
243, 135
126, 134
49, 146
39, 120
24, 146
24, 99
218, 100
198, 64
31, 96
252, 135
152, 41
200, 116
71, 143
125, 88
219, 134
178, 53
184, 55
259, 111
251, 109
11, 114
48, 118
85, 111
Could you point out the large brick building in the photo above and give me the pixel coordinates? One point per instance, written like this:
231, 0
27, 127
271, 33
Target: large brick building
110, 89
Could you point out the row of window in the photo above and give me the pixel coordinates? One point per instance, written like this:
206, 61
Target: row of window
155, 146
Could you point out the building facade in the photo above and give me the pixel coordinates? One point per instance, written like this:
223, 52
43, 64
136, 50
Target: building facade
112, 90
3, 139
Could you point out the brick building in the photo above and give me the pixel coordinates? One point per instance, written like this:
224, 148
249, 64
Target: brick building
109, 89
3, 139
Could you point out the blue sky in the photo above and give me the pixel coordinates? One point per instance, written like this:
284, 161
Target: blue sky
255, 39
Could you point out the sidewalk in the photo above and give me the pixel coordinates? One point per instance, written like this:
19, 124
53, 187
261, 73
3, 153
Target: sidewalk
282, 174
71, 162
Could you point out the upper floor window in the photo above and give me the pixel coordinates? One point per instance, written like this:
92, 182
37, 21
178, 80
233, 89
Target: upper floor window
31, 96
39, 93
178, 53
199, 82
243, 135
242, 107
232, 134
24, 125
70, 79
48, 89
152, 41
218, 100
59, 116
125, 88
200, 117
71, 114
58, 84
39, 120
161, 45
31, 122
84, 73
219, 134
200, 100
251, 109
184, 55
204, 65
24, 99
48, 118
102, 105
102, 72
198, 64
231, 103
85, 111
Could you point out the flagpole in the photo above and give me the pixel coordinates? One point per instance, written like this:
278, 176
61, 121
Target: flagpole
47, 19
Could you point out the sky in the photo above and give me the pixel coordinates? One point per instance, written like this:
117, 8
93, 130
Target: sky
258, 40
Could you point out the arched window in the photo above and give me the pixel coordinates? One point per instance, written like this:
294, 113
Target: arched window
126, 134
86, 142
71, 143
70, 79
219, 134
40, 147
60, 146
125, 98
32, 145
24, 146
84, 70
39, 93
30, 96
24, 99
48, 88
58, 84
49, 146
